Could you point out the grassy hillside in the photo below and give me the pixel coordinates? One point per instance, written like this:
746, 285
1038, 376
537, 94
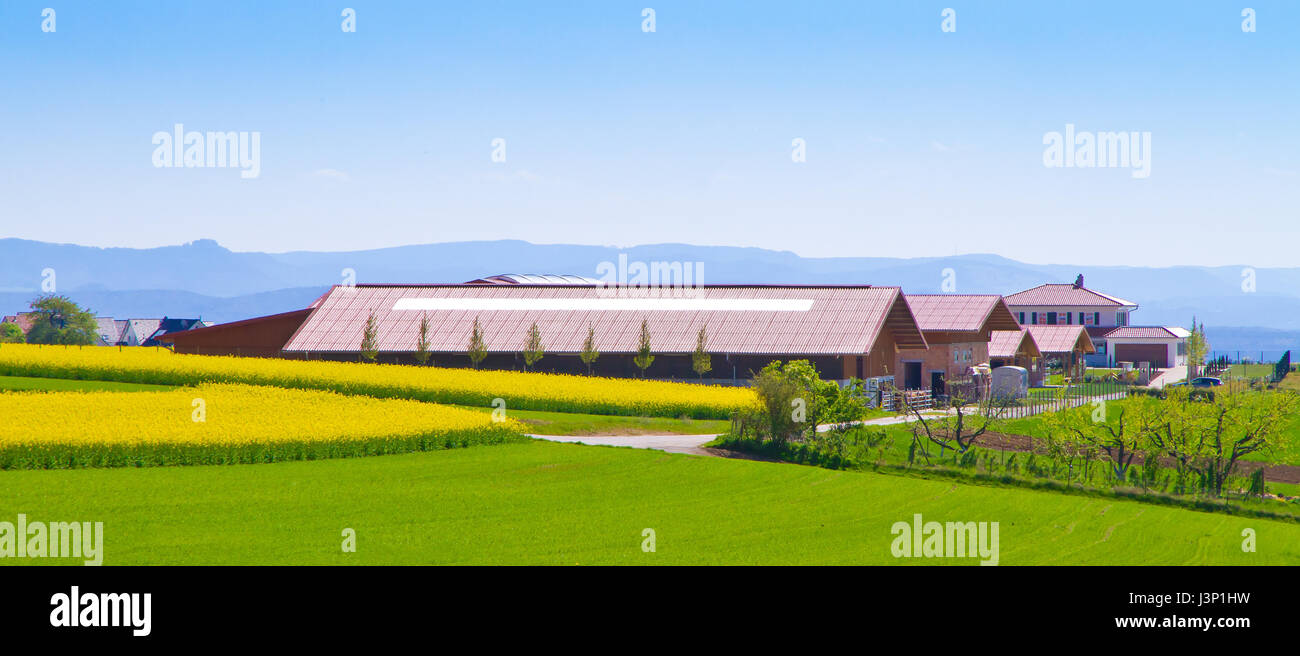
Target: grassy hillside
564, 504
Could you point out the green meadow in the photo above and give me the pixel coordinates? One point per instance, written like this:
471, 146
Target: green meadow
27, 384
562, 504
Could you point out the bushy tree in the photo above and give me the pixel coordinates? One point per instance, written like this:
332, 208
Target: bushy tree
58, 320
10, 333
796, 400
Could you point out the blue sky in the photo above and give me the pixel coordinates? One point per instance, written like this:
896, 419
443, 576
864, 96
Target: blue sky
919, 142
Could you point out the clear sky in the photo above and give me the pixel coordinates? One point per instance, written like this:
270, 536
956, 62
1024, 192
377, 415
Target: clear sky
918, 142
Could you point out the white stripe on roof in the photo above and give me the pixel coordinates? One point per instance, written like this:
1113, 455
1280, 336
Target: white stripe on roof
610, 304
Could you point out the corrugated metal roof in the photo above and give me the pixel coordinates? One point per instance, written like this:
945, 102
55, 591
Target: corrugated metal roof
1066, 294
757, 319
534, 279
1008, 343
960, 312
1061, 339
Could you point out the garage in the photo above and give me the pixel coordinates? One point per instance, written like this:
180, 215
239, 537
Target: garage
1156, 354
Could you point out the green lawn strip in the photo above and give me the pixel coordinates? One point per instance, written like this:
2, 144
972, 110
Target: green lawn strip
562, 504
1250, 370
570, 423
25, 384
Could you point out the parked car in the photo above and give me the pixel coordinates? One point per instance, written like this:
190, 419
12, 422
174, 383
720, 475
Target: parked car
1207, 381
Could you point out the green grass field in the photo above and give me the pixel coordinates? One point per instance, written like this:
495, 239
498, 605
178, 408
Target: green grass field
1250, 371
25, 384
562, 504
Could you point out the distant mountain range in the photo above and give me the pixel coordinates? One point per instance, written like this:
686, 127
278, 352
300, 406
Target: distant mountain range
202, 278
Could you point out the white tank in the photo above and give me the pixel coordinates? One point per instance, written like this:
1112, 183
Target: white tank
1010, 383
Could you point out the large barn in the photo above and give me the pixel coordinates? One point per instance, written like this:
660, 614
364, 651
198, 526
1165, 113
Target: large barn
845, 330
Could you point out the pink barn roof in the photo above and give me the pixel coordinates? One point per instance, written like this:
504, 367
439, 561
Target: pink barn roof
1008, 343
1061, 339
961, 312
744, 319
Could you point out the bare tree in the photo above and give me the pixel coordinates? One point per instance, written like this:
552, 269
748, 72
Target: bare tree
589, 352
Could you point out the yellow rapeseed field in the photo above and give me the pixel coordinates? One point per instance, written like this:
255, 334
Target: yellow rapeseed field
521, 391
224, 423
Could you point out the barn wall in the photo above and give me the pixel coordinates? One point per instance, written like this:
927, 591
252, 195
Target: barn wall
263, 337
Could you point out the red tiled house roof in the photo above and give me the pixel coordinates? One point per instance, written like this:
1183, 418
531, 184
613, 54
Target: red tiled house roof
1140, 332
1066, 294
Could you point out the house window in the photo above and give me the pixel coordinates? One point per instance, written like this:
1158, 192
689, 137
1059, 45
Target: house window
1051, 318
1069, 318
1022, 318
1033, 318
1121, 318
1086, 318
1096, 318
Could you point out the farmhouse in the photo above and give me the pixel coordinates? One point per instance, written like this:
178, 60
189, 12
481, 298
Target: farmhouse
957, 329
110, 330
23, 320
845, 330
1106, 320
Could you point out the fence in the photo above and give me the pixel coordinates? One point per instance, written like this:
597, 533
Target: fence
918, 399
1038, 399
1051, 399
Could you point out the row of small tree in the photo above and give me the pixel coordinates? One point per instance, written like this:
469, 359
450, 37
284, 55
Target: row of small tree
533, 350
1203, 435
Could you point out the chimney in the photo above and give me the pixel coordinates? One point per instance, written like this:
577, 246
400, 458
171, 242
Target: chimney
1078, 282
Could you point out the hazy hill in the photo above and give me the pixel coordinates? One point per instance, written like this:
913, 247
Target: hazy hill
204, 278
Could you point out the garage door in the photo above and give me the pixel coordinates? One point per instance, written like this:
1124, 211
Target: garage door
1156, 354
